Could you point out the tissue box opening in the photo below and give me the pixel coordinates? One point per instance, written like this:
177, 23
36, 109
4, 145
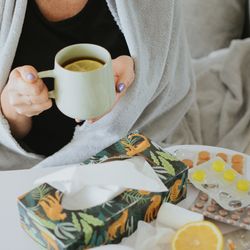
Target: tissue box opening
53, 227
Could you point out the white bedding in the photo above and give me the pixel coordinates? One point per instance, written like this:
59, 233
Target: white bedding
221, 115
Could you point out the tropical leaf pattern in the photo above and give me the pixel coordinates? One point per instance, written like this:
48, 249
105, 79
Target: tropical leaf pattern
167, 165
161, 172
40, 192
110, 221
154, 158
43, 222
90, 219
88, 231
135, 197
166, 155
76, 222
65, 231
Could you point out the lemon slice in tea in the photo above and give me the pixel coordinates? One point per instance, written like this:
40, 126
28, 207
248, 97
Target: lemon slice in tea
84, 65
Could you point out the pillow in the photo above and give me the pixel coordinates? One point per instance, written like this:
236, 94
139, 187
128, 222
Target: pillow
212, 24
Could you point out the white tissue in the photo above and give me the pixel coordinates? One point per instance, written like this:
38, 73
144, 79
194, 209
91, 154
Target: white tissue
172, 216
149, 237
86, 186
158, 235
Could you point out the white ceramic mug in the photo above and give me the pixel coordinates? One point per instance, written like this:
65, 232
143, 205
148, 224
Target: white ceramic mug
82, 95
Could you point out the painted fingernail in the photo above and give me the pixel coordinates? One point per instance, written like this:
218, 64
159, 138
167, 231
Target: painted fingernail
30, 77
121, 87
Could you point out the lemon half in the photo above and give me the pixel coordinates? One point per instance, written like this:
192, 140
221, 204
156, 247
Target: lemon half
202, 235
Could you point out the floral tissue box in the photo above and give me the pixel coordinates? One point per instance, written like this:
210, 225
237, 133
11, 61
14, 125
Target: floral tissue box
53, 227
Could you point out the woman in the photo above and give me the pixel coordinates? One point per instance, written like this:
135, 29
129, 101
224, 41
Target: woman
25, 102
159, 98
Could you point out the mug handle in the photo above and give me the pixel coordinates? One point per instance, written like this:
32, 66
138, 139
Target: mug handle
49, 74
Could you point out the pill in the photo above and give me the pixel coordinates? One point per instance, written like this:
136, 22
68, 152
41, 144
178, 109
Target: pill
229, 175
223, 156
223, 212
189, 163
235, 216
238, 167
218, 165
211, 209
237, 158
231, 244
243, 185
246, 220
199, 204
199, 175
204, 155
241, 210
203, 197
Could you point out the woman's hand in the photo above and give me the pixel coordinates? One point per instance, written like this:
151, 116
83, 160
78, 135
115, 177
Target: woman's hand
24, 96
124, 74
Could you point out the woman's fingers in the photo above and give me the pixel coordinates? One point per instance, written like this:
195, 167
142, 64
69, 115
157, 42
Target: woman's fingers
23, 87
18, 99
27, 73
27, 94
124, 71
33, 109
123, 67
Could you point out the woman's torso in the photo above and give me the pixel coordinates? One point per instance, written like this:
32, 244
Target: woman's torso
40, 40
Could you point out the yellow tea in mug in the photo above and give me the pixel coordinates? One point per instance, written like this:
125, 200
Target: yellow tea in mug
83, 64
